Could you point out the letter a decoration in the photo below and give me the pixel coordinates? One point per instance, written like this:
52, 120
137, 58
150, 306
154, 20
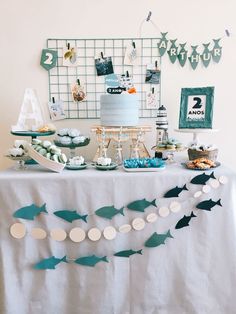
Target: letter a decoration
162, 45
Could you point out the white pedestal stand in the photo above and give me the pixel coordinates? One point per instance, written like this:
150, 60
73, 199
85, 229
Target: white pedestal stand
196, 133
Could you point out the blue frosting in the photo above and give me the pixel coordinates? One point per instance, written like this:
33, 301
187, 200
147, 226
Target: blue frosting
144, 163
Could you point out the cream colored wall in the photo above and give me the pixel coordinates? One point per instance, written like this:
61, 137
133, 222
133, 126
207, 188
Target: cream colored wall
26, 24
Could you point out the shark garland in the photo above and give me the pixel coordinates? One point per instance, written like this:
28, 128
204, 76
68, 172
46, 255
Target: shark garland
153, 241
108, 212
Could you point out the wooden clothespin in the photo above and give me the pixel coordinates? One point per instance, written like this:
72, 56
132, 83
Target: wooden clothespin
149, 16
133, 44
153, 90
102, 55
53, 100
78, 81
127, 73
68, 46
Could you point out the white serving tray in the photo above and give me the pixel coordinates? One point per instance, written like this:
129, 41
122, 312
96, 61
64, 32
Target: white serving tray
45, 162
144, 169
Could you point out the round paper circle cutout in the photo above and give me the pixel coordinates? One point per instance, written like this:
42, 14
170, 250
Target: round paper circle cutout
175, 207
151, 217
138, 224
18, 230
38, 233
77, 235
125, 228
94, 234
109, 233
206, 189
164, 211
58, 234
197, 194
223, 180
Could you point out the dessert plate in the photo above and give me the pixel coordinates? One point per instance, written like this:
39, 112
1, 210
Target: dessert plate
217, 164
112, 166
76, 167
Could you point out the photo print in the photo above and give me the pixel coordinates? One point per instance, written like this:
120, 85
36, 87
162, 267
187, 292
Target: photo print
77, 91
132, 54
56, 109
104, 65
153, 74
151, 99
70, 56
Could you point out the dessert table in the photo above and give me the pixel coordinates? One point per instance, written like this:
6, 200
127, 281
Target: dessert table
192, 273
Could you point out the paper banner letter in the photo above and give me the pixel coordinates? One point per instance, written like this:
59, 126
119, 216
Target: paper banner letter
173, 51
216, 51
194, 58
48, 59
206, 55
182, 55
162, 45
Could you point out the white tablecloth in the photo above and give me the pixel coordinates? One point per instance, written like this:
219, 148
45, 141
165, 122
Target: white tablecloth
194, 273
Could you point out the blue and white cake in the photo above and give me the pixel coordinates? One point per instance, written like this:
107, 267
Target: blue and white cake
119, 110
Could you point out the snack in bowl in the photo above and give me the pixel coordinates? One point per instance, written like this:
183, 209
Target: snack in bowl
201, 163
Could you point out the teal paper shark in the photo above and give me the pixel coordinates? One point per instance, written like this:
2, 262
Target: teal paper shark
91, 260
208, 205
157, 239
202, 178
175, 192
184, 222
109, 212
127, 253
141, 205
50, 263
70, 215
29, 212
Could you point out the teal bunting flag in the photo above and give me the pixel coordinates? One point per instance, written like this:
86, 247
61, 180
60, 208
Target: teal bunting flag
206, 55
182, 55
162, 45
173, 51
194, 57
216, 51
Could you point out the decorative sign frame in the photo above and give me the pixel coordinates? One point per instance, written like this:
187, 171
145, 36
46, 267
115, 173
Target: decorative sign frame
196, 108
61, 77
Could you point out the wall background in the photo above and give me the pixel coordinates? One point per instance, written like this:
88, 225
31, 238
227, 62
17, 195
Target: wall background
25, 25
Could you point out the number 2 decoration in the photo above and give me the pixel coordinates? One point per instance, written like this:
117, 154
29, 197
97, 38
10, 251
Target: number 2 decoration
48, 59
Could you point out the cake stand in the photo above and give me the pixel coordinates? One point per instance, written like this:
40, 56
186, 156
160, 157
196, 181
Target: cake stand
196, 133
33, 135
20, 161
72, 146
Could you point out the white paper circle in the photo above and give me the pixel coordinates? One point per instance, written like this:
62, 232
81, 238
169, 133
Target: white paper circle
38, 233
206, 189
94, 234
58, 234
175, 207
77, 235
138, 224
223, 180
164, 211
214, 183
197, 194
109, 233
151, 217
124, 228
18, 230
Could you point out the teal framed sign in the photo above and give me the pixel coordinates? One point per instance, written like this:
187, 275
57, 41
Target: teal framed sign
196, 108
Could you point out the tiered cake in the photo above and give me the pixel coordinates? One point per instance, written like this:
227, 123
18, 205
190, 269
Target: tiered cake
119, 110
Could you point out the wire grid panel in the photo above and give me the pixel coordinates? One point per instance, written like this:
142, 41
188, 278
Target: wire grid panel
61, 77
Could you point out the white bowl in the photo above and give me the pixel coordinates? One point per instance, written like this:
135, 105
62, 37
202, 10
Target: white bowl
45, 162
